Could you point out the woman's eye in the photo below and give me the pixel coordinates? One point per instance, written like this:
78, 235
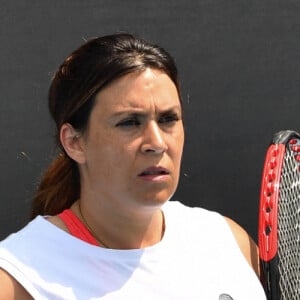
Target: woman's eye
129, 122
169, 118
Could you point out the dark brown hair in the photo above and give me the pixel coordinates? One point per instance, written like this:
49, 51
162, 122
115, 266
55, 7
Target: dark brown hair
72, 93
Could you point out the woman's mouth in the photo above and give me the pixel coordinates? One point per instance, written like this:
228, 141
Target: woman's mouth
154, 173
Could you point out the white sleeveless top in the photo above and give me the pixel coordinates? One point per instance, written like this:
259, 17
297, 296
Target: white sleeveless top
198, 258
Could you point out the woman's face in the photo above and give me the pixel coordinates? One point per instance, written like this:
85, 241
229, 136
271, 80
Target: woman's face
133, 143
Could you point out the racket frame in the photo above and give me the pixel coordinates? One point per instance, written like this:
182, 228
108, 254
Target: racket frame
268, 212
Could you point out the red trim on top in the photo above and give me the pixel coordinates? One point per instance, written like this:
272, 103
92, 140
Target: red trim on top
76, 227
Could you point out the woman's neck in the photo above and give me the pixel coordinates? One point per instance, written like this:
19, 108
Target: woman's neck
134, 230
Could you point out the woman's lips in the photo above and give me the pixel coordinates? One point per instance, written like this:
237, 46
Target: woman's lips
154, 173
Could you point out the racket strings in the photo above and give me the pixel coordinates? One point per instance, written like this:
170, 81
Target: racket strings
289, 228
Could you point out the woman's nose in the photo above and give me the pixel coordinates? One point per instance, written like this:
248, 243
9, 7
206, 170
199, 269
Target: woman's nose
153, 141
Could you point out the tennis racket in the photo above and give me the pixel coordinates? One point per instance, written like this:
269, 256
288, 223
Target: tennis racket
279, 218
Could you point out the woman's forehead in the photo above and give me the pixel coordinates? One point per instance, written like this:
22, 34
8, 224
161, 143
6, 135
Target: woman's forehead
137, 91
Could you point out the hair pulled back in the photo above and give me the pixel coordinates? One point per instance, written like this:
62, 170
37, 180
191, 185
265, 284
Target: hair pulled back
72, 93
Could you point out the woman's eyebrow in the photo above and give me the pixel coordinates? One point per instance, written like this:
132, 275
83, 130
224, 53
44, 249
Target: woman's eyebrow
140, 112
173, 110
128, 113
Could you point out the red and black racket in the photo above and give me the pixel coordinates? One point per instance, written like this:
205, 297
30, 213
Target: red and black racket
279, 218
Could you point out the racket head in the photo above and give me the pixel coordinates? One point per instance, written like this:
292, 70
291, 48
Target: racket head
279, 217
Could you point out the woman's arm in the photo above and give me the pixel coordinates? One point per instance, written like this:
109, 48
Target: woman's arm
246, 244
10, 289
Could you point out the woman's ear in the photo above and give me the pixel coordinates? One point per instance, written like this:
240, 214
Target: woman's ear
72, 142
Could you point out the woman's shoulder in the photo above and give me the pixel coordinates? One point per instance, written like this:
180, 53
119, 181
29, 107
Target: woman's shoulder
10, 288
181, 211
37, 236
216, 225
246, 244
22, 251
32, 228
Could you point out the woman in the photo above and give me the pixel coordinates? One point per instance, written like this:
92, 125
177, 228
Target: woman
109, 230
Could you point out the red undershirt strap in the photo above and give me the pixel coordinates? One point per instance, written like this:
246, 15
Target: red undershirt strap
76, 227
